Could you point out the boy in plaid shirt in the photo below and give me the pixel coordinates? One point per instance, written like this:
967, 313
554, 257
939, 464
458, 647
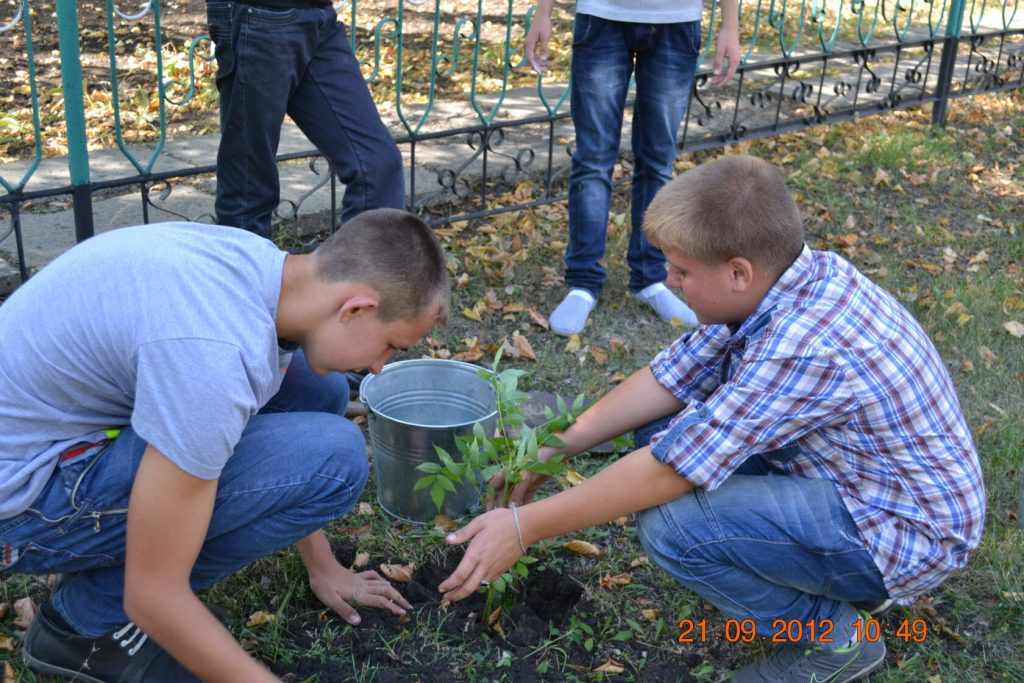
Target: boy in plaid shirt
802, 455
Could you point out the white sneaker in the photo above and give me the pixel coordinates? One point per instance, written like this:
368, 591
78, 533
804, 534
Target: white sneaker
666, 304
571, 315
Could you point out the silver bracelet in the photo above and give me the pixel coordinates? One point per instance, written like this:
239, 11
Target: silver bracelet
519, 529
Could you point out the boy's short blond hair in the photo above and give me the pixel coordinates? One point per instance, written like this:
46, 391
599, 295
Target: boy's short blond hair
736, 205
396, 254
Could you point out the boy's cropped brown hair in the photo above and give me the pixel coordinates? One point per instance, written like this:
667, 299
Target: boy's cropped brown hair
395, 253
736, 205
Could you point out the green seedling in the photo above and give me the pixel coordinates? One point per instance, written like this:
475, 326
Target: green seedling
511, 450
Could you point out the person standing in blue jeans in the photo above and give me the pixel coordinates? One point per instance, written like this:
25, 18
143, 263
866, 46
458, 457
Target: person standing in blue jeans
658, 42
170, 412
277, 57
814, 462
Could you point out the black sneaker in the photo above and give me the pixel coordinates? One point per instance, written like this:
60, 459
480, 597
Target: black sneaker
125, 655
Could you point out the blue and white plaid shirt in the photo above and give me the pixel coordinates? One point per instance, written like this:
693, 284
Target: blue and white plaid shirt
837, 378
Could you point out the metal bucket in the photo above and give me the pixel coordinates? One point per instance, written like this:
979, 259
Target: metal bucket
412, 406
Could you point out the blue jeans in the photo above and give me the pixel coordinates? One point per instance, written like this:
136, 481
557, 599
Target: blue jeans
298, 466
605, 54
296, 61
766, 545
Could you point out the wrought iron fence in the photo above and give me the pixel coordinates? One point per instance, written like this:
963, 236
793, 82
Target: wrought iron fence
449, 77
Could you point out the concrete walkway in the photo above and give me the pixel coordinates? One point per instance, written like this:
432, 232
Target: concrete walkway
48, 228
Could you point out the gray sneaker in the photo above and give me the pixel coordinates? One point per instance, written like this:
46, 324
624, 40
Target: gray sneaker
813, 664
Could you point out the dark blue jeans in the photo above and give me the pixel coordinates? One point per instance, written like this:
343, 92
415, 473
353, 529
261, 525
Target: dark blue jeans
605, 54
767, 546
298, 466
298, 62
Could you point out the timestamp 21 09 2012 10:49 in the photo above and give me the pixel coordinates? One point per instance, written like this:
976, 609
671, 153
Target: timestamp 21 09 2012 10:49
797, 631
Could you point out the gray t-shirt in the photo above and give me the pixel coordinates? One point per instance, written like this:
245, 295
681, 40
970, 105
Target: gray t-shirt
169, 328
643, 11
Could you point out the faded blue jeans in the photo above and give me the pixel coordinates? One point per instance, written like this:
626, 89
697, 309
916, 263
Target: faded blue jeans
766, 546
298, 61
605, 54
298, 466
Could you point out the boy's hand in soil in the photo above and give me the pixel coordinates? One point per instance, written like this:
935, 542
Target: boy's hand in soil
342, 589
493, 548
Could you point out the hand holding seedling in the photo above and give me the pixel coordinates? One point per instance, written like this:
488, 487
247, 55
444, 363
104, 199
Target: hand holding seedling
520, 490
493, 548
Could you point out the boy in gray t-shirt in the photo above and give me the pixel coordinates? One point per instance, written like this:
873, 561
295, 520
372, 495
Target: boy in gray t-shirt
170, 412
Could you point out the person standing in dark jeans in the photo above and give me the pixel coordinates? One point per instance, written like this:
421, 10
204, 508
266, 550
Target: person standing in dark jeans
658, 43
278, 57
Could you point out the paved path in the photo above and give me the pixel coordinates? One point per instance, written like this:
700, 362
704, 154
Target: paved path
48, 229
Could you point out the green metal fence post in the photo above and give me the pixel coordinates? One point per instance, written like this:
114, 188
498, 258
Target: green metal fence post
74, 117
950, 45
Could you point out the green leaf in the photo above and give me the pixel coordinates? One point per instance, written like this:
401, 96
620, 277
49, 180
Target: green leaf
429, 467
437, 494
577, 405
424, 482
449, 464
446, 484
548, 468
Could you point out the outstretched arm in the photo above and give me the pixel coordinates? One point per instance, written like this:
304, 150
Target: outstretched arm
634, 403
168, 515
727, 45
636, 482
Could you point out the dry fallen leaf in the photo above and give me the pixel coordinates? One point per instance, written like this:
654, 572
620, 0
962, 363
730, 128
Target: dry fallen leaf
258, 618
574, 344
1013, 595
6, 643
404, 618
574, 478
25, 608
365, 508
523, 348
473, 351
399, 573
359, 531
600, 357
987, 355
362, 559
445, 523
608, 581
584, 548
641, 561
538, 319
610, 667
649, 614
9, 674
1014, 328
494, 616
5, 609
